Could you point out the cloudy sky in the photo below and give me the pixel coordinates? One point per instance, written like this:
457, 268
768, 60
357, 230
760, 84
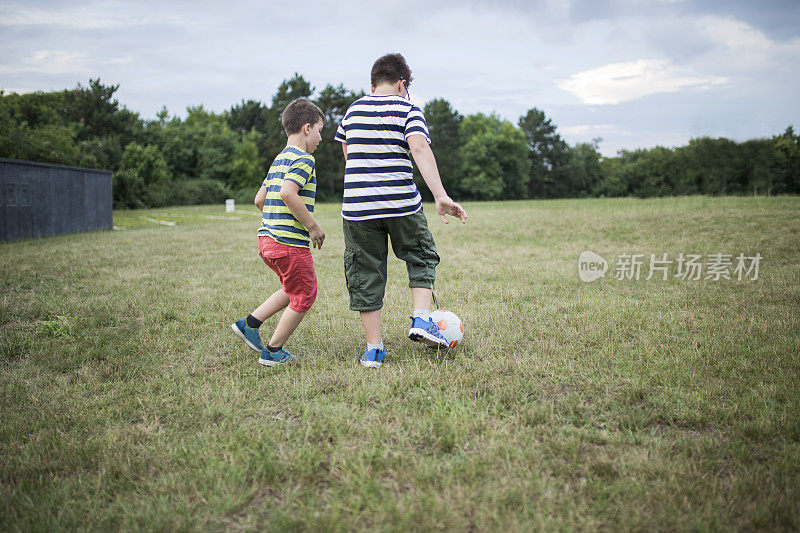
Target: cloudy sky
636, 73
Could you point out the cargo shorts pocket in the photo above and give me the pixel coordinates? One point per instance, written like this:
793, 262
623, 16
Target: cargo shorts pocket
351, 276
428, 252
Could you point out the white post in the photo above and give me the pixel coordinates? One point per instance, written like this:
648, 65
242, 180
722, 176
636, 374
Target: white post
229, 206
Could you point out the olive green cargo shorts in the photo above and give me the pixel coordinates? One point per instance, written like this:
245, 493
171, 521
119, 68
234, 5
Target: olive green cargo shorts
366, 253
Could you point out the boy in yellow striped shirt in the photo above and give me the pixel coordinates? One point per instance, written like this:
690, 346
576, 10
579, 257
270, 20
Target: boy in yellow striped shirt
288, 229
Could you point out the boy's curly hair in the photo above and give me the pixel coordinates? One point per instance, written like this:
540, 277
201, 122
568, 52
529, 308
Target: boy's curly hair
298, 113
389, 69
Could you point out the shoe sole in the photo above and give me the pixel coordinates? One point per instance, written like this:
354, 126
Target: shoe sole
420, 335
274, 363
370, 364
241, 336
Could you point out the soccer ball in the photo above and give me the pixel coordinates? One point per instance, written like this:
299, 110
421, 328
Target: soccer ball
449, 326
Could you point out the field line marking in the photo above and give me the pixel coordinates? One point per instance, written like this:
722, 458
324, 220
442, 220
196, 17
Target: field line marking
172, 214
166, 223
199, 215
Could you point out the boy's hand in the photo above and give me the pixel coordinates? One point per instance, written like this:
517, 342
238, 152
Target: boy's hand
446, 206
316, 235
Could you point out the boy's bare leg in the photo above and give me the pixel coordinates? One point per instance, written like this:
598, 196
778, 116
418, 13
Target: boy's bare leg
272, 305
372, 325
286, 326
421, 297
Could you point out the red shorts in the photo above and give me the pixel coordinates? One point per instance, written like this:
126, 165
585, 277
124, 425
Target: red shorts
295, 268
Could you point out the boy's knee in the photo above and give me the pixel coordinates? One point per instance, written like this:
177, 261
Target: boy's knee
303, 303
302, 294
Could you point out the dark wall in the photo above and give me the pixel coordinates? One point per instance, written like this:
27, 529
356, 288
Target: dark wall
40, 199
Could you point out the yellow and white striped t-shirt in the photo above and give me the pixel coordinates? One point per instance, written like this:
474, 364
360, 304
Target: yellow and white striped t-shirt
276, 219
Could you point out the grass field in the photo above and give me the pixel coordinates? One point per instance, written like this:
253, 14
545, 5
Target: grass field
127, 402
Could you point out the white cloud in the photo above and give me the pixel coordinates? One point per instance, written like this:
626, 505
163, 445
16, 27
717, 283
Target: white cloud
49, 62
735, 34
482, 56
620, 82
744, 48
91, 16
583, 130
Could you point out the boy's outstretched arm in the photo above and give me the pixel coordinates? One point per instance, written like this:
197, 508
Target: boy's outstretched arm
426, 162
297, 206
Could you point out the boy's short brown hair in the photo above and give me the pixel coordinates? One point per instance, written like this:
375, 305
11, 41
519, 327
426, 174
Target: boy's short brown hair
389, 69
298, 113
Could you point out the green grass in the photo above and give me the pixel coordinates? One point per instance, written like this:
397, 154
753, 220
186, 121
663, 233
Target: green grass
127, 403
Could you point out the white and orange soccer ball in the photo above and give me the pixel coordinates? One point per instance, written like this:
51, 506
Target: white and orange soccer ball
450, 326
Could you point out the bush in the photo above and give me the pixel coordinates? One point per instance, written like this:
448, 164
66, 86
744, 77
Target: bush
148, 163
128, 190
191, 192
244, 197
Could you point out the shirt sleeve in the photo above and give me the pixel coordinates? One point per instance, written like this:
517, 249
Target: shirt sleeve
416, 125
340, 134
301, 170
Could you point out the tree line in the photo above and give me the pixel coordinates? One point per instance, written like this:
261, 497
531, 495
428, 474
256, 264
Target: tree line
207, 157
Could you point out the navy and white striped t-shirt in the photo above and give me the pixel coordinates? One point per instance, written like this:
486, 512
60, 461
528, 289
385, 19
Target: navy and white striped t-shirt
378, 179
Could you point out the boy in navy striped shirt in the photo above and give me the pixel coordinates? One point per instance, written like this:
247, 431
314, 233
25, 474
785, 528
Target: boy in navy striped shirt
379, 134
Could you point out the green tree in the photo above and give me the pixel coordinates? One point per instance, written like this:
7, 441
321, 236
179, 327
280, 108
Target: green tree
97, 111
31, 128
615, 179
46, 144
247, 116
656, 173
786, 154
128, 190
179, 146
288, 90
84, 126
34, 109
247, 170
104, 152
154, 131
754, 172
547, 151
147, 162
582, 171
217, 146
249, 119
101, 121
295, 87
494, 159
444, 126
202, 146
143, 178
711, 164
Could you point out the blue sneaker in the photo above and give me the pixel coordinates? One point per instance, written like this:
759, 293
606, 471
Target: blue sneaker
373, 358
281, 357
249, 335
426, 332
